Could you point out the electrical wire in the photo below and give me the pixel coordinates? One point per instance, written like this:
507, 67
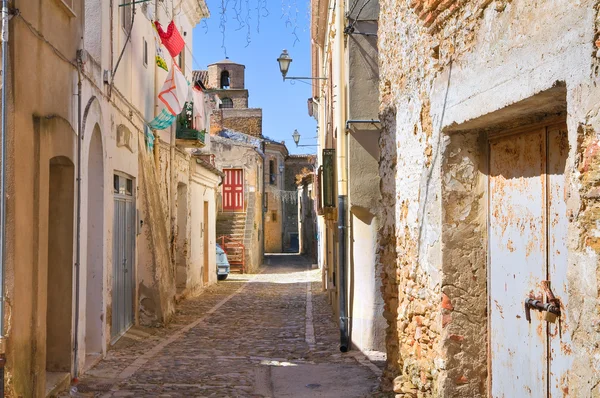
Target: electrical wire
112, 79
359, 12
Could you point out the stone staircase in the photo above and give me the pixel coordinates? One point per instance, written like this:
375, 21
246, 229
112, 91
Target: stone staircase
232, 225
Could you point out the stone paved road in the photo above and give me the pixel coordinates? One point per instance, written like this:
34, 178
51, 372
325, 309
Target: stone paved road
265, 335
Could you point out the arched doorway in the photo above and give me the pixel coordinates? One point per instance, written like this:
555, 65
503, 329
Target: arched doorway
95, 249
60, 265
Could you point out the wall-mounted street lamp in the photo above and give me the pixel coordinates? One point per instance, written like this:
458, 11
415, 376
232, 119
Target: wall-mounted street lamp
284, 65
296, 137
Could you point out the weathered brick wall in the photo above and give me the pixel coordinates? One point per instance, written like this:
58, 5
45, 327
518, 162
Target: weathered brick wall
444, 63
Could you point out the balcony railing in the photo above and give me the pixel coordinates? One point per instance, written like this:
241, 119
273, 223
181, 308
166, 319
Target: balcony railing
187, 133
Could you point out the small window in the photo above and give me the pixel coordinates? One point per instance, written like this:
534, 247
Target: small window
181, 60
226, 103
126, 15
225, 80
122, 185
272, 172
274, 216
145, 53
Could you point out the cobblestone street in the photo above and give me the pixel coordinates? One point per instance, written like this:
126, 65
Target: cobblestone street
265, 335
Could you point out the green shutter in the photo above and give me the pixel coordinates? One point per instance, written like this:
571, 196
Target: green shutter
328, 178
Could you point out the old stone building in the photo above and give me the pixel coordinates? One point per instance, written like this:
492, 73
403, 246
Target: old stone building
240, 198
276, 197
225, 80
237, 147
345, 58
307, 216
489, 174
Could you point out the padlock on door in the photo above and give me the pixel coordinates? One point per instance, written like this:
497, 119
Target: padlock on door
550, 316
551, 308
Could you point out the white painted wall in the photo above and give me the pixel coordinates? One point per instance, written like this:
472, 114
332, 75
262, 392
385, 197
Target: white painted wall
204, 187
134, 101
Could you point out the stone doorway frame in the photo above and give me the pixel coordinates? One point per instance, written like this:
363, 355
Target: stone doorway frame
464, 233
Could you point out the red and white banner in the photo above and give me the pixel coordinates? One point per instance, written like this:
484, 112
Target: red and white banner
175, 90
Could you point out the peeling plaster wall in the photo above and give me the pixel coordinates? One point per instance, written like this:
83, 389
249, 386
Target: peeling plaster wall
442, 69
156, 274
41, 124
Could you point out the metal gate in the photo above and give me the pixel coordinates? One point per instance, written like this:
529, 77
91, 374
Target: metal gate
528, 263
233, 190
123, 256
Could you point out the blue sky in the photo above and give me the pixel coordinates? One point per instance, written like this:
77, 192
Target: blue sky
283, 103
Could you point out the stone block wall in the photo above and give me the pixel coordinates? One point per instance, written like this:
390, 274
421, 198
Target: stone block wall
247, 121
239, 98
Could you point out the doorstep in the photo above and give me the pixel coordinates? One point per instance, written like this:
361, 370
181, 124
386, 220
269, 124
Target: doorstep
56, 382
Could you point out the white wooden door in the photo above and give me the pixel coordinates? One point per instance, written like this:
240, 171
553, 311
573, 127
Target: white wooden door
526, 191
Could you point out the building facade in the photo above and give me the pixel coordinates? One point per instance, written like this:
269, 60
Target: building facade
307, 217
240, 198
345, 56
98, 257
489, 171
296, 166
237, 146
276, 198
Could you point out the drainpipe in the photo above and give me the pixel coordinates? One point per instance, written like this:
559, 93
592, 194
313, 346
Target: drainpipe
78, 228
340, 117
156, 135
262, 202
4, 38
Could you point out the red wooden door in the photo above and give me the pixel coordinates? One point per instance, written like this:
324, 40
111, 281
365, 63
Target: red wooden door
233, 190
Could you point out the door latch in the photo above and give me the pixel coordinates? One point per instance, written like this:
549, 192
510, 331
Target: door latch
551, 308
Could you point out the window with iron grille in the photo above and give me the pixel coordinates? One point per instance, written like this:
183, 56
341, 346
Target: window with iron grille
272, 172
226, 103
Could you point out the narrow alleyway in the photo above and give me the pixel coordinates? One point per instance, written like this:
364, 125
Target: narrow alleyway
265, 335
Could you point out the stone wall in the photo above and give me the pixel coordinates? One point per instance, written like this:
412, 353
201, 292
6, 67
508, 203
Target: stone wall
451, 71
247, 121
236, 74
238, 97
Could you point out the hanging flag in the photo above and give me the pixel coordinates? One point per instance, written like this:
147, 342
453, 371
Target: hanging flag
163, 120
174, 91
199, 115
171, 39
160, 58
